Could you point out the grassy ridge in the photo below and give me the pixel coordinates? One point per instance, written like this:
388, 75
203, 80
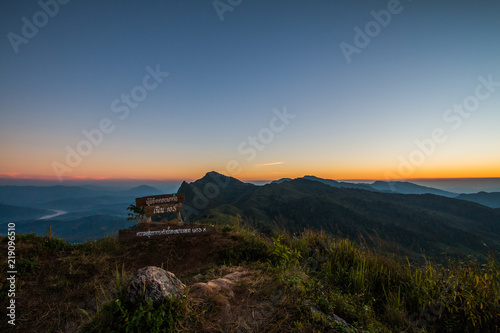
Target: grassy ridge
313, 277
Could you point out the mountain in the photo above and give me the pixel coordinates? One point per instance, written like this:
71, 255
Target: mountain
13, 213
279, 181
379, 186
409, 188
329, 182
142, 191
484, 198
211, 191
335, 183
415, 223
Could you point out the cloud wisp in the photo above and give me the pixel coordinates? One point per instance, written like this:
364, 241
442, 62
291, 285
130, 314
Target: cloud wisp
269, 164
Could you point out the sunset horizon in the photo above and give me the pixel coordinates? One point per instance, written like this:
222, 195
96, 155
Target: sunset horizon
340, 91
239, 177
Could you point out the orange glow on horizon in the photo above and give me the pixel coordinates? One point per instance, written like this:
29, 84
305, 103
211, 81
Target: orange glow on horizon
273, 172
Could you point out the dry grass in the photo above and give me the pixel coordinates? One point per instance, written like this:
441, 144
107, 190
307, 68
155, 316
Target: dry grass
57, 279
249, 307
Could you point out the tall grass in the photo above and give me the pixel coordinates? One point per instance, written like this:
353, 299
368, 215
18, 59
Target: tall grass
458, 297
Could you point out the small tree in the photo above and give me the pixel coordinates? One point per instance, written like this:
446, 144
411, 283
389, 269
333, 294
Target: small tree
136, 213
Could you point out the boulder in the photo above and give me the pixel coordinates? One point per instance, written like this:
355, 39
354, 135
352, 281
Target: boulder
154, 283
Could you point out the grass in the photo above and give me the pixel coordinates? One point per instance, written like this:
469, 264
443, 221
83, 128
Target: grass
379, 293
300, 283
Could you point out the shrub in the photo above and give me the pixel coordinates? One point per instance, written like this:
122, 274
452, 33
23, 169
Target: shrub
122, 316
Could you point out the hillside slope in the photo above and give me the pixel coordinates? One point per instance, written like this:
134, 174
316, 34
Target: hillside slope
307, 283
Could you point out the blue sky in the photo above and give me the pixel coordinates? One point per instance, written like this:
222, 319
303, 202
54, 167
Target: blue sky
353, 120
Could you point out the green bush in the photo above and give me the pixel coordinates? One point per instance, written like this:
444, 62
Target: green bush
282, 255
119, 315
53, 243
25, 266
253, 248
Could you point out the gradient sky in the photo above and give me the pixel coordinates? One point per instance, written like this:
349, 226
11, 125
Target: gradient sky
228, 79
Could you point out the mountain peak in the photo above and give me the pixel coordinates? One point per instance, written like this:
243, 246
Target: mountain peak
214, 173
279, 181
142, 190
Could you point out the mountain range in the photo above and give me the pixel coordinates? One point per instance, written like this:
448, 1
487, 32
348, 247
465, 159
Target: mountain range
490, 199
380, 186
403, 216
414, 224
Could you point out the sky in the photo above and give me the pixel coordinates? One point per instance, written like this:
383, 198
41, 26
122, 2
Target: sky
257, 90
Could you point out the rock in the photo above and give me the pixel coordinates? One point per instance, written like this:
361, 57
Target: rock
199, 277
347, 328
154, 283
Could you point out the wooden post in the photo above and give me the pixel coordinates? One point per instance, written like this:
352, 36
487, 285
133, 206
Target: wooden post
179, 218
50, 231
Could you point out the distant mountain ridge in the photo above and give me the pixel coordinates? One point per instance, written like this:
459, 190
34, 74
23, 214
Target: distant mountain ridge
409, 188
335, 183
490, 199
142, 191
379, 186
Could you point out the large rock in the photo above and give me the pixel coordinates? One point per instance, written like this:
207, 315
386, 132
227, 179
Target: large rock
154, 283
